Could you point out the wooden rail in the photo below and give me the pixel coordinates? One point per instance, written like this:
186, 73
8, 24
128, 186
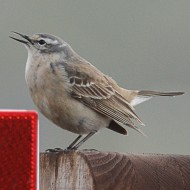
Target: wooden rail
95, 170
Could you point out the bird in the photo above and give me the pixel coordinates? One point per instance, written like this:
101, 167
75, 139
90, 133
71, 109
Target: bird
74, 94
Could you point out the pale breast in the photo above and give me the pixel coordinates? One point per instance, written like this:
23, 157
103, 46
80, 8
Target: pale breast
51, 95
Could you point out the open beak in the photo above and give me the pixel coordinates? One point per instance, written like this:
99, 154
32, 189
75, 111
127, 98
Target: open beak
29, 41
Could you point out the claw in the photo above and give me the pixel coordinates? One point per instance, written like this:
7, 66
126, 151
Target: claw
54, 150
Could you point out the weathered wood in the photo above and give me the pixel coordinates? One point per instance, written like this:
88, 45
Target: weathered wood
95, 170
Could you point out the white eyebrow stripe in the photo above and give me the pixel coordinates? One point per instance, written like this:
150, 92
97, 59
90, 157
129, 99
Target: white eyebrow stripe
62, 45
50, 41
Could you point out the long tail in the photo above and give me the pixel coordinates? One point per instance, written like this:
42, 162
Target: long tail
156, 93
145, 95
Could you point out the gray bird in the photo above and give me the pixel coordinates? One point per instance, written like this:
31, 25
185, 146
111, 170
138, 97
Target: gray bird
74, 94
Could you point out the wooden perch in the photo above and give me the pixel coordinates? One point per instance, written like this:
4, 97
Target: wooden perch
95, 170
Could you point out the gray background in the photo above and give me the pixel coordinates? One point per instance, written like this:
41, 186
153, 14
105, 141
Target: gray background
141, 44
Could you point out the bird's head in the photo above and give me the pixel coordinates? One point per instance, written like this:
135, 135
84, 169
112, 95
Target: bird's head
45, 44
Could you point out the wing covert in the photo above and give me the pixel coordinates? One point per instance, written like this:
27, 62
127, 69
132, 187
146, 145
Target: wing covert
104, 99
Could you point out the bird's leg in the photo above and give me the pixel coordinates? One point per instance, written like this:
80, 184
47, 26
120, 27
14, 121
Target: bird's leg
73, 143
82, 141
72, 146
56, 150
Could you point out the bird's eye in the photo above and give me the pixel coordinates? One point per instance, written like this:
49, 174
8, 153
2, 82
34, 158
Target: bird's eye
41, 42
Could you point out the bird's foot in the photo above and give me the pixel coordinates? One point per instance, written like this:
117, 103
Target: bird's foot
90, 150
54, 150
68, 149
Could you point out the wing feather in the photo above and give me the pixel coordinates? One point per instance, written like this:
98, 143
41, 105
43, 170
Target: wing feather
106, 100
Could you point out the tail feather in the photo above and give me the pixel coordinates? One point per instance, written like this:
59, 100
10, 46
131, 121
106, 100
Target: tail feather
145, 95
156, 93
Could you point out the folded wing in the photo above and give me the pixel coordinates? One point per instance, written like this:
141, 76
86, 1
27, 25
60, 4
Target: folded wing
104, 99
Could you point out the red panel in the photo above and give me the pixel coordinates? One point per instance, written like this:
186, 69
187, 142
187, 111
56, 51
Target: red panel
18, 150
